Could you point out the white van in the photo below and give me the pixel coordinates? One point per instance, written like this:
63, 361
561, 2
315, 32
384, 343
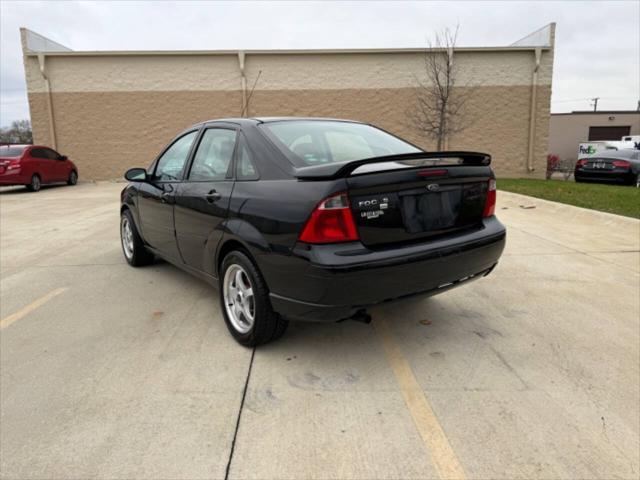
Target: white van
589, 148
631, 141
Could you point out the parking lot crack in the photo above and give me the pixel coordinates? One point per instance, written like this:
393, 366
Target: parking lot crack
239, 417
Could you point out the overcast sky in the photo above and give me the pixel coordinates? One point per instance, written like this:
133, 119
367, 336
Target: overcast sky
597, 43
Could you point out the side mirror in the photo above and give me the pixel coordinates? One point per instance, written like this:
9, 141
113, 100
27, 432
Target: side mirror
63, 157
136, 175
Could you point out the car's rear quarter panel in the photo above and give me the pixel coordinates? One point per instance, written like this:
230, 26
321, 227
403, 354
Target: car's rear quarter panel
267, 216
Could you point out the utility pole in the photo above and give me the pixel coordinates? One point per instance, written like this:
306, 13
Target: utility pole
595, 103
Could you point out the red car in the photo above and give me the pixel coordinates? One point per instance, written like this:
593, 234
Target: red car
35, 165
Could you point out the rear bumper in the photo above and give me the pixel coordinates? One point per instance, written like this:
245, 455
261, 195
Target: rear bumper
334, 282
13, 177
618, 176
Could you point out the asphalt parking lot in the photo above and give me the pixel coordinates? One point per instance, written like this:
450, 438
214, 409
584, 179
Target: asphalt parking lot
113, 372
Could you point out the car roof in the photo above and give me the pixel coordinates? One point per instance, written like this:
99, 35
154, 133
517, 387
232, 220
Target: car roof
296, 119
258, 120
19, 145
23, 145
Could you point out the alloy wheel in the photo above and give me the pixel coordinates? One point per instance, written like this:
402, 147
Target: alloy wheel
239, 299
126, 234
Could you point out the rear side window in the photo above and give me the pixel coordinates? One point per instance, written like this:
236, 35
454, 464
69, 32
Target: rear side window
214, 155
316, 142
38, 153
246, 168
11, 151
172, 161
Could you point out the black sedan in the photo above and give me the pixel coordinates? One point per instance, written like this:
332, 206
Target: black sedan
311, 219
619, 166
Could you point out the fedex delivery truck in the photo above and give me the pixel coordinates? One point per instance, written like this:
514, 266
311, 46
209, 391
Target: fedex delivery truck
586, 149
589, 148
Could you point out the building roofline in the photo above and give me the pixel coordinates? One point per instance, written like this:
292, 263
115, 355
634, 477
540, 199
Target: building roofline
35, 43
337, 51
599, 112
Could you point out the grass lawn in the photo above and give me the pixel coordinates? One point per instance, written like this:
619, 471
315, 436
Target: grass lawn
622, 200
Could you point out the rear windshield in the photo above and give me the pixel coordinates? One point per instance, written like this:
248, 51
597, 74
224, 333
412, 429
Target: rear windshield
316, 142
11, 151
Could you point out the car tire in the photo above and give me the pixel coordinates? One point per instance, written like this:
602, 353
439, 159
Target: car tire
238, 277
35, 184
73, 178
133, 248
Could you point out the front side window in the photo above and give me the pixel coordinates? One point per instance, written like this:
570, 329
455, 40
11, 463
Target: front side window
172, 161
50, 154
316, 142
214, 155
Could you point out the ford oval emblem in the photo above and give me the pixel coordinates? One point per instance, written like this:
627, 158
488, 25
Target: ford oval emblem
433, 187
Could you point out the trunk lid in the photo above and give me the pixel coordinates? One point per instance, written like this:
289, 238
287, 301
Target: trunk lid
404, 205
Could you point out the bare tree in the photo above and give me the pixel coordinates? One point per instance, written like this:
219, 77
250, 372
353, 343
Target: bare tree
245, 107
18, 132
438, 109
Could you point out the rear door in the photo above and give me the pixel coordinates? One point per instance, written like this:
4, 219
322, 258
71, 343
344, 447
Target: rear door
56, 166
156, 198
412, 204
42, 164
202, 200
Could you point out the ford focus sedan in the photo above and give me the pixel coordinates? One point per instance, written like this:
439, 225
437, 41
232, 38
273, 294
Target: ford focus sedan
311, 219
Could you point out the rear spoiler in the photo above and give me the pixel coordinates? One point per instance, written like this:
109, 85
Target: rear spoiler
329, 171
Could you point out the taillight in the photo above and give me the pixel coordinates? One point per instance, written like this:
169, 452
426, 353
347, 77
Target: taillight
490, 202
621, 163
581, 163
330, 222
13, 164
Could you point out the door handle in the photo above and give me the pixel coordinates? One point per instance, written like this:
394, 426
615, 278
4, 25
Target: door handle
167, 194
212, 196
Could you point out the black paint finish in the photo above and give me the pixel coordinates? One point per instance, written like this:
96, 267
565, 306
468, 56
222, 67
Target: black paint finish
193, 224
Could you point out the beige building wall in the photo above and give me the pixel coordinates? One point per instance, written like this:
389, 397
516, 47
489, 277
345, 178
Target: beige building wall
568, 130
116, 110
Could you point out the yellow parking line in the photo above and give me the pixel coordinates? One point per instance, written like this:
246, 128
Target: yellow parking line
14, 317
433, 436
